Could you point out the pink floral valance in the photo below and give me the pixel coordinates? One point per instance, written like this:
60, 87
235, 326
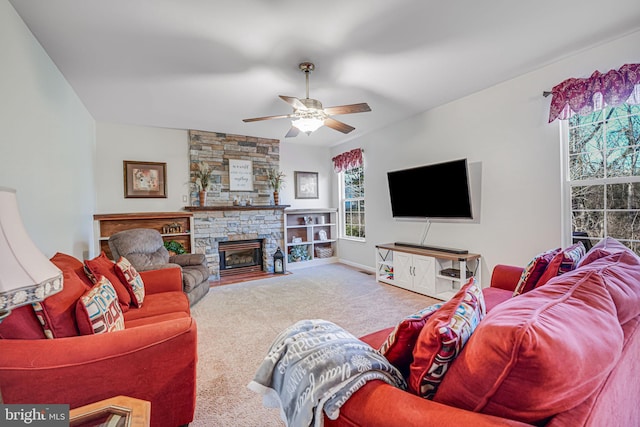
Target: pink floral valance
350, 159
583, 96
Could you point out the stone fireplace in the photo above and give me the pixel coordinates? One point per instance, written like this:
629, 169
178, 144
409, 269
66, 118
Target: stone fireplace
220, 226
221, 222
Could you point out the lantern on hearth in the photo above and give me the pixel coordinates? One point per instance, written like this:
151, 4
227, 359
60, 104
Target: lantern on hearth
278, 261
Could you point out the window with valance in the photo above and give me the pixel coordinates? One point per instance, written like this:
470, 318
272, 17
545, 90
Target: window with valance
350, 167
583, 96
601, 130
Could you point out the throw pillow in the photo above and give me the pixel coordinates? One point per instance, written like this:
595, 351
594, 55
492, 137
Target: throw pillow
539, 354
62, 260
129, 275
533, 271
57, 313
398, 347
621, 273
443, 337
563, 262
98, 310
603, 248
103, 266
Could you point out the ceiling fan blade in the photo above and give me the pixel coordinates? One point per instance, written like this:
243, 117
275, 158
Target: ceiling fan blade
339, 126
257, 119
348, 109
293, 132
294, 102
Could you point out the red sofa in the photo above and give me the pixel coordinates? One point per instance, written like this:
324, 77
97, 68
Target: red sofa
153, 358
573, 360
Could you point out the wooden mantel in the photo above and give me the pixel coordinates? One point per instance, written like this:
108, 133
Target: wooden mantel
234, 208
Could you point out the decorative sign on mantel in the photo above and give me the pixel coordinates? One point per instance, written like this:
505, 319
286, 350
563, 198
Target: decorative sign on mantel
240, 175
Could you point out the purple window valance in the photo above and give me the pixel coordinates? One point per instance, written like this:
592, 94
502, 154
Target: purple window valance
583, 96
350, 159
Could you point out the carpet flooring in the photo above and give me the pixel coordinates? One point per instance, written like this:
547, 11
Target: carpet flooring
237, 323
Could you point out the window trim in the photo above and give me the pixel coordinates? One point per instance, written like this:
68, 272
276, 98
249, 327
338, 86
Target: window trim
342, 211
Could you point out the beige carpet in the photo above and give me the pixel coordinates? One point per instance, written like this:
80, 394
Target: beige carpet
237, 323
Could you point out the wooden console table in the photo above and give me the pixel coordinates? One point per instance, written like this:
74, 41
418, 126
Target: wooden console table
117, 411
433, 273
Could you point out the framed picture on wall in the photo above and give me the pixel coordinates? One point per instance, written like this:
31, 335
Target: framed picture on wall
145, 179
240, 175
306, 185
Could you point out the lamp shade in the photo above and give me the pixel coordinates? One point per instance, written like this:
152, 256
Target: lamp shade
308, 124
26, 275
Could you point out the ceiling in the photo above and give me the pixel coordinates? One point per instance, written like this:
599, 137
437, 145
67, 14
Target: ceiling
203, 64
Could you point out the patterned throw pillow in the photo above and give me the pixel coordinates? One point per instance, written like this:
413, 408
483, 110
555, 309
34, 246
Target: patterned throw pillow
98, 310
533, 271
563, 262
103, 266
443, 337
398, 347
130, 276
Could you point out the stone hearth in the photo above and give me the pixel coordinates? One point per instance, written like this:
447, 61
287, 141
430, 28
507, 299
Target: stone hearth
215, 224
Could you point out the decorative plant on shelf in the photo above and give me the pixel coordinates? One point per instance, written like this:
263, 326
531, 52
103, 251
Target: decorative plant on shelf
175, 247
298, 253
203, 181
275, 178
203, 176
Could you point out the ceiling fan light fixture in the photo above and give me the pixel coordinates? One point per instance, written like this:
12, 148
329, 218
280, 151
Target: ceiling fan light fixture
307, 124
309, 115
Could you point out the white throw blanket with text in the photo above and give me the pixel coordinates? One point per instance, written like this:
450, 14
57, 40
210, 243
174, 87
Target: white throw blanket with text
315, 365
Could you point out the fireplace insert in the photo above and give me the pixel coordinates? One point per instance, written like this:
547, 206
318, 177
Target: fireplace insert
240, 256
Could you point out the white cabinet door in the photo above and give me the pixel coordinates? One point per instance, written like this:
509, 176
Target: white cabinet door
424, 269
402, 270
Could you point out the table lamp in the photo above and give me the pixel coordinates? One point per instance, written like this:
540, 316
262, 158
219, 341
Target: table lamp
26, 275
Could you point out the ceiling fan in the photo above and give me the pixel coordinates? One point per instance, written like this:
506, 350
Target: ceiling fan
308, 114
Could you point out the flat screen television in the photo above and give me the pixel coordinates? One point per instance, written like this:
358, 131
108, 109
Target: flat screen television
438, 191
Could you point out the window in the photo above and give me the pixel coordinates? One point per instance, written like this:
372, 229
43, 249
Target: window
352, 195
603, 174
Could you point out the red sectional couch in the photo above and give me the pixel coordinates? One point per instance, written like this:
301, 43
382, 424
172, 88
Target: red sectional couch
153, 358
566, 353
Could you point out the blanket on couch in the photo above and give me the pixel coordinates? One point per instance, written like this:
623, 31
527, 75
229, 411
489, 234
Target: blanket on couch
315, 365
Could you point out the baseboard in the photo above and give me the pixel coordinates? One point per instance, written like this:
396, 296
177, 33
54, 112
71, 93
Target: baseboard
311, 263
356, 265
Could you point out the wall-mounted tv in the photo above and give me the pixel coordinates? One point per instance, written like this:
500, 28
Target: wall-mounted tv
438, 191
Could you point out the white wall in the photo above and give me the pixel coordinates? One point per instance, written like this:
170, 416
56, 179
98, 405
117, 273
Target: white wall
47, 143
505, 128
116, 143
305, 158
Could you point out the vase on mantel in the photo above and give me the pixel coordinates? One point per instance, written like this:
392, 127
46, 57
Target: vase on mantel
275, 198
203, 198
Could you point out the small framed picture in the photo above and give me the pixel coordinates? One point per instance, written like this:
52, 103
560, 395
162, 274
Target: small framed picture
306, 185
145, 179
240, 175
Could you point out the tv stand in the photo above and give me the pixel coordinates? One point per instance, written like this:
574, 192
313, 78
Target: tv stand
433, 248
427, 271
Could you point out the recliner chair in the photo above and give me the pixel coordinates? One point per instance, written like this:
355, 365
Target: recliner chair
144, 248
